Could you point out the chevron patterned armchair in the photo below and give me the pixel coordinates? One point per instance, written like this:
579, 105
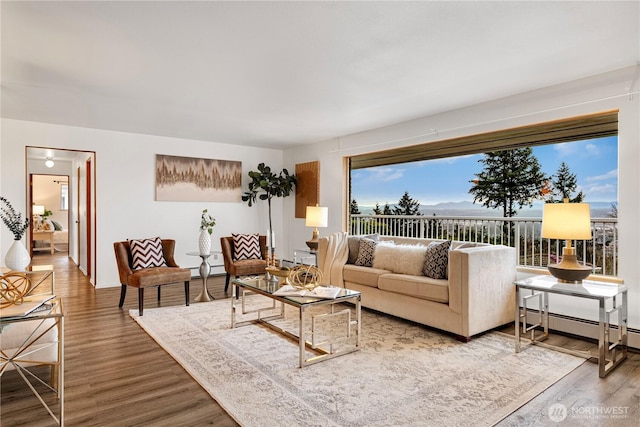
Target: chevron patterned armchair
243, 267
151, 266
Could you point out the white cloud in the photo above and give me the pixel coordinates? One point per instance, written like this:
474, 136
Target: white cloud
385, 174
612, 174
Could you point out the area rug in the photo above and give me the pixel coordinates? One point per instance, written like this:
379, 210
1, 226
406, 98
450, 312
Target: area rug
404, 375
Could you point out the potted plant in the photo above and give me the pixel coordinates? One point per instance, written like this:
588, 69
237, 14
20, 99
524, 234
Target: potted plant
17, 257
207, 222
265, 185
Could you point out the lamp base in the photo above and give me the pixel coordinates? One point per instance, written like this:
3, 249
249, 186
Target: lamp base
313, 243
569, 270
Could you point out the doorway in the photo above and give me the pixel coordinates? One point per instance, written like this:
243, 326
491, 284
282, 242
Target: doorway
50, 214
77, 194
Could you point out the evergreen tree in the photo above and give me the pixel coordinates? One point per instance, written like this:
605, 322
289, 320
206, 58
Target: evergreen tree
377, 210
407, 206
387, 210
354, 210
564, 184
510, 180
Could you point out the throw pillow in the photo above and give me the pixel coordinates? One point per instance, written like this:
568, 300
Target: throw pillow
246, 246
147, 253
401, 259
366, 251
436, 260
354, 246
56, 225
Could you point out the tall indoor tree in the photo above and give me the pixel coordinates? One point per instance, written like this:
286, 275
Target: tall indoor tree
265, 185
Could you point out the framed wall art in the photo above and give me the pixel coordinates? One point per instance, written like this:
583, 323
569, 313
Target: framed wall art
190, 179
308, 187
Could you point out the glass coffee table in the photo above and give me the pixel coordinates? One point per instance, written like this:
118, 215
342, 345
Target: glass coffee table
309, 335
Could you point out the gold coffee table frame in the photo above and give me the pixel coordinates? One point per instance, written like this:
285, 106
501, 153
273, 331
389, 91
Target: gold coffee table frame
324, 350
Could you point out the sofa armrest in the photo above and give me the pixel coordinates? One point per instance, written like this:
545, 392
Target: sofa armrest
481, 286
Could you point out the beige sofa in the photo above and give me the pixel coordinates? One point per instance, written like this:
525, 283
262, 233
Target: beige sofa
478, 294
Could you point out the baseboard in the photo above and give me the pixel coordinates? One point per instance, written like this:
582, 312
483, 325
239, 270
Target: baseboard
586, 328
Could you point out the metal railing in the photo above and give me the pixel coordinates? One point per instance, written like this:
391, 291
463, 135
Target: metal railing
601, 252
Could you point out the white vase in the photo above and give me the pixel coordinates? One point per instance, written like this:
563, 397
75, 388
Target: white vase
17, 257
204, 242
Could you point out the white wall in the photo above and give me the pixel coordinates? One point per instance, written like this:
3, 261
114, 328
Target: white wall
605, 92
125, 188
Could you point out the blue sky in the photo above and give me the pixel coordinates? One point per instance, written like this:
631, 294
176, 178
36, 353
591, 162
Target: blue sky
594, 162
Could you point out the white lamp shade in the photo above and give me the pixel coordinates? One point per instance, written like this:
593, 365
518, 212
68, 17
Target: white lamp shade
317, 216
38, 210
49, 162
566, 221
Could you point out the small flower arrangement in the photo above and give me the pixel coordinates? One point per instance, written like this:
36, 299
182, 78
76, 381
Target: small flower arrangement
12, 219
207, 222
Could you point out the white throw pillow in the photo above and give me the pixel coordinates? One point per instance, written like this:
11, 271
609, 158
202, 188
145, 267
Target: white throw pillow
401, 259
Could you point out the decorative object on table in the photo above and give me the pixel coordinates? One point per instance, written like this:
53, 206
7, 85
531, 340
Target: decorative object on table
190, 179
13, 287
206, 228
305, 277
276, 272
17, 258
265, 185
317, 216
307, 187
567, 221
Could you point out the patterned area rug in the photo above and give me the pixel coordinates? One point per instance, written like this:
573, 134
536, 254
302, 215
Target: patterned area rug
405, 374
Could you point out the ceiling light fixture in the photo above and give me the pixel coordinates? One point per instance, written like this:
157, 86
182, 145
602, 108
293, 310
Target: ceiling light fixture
49, 163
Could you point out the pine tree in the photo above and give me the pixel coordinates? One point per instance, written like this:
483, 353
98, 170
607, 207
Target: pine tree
510, 180
407, 206
387, 210
354, 209
564, 184
377, 210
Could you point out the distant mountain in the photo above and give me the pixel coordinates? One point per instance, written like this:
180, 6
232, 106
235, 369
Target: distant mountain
467, 208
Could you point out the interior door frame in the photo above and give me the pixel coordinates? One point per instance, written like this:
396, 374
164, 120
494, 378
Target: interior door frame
79, 157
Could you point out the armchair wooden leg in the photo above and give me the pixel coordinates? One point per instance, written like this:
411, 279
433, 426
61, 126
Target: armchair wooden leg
123, 292
226, 282
186, 291
140, 300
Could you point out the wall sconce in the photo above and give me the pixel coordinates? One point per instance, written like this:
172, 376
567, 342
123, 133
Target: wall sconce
49, 162
567, 221
316, 216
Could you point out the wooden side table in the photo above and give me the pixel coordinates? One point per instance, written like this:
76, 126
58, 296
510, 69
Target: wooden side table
612, 300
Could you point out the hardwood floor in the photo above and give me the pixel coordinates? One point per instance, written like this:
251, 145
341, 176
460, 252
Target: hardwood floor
116, 375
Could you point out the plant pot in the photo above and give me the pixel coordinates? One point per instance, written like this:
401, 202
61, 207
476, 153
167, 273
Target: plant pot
17, 257
204, 242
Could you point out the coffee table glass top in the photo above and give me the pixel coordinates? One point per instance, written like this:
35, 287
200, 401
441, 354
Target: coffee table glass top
260, 285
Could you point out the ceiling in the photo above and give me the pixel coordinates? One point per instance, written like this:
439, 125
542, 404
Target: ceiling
277, 74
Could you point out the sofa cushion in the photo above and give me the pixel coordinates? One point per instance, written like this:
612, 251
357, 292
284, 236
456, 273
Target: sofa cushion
416, 286
402, 259
147, 253
436, 260
354, 246
366, 252
362, 275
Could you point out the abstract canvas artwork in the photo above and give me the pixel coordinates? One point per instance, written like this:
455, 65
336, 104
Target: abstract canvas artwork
190, 179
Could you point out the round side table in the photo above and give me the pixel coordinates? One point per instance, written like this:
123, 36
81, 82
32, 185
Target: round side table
205, 269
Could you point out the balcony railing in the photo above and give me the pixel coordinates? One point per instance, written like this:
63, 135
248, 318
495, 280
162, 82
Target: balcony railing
601, 252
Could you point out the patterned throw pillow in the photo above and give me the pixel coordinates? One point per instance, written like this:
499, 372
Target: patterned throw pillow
436, 260
354, 246
147, 253
365, 252
246, 246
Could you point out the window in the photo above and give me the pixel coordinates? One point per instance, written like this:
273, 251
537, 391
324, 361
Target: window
64, 197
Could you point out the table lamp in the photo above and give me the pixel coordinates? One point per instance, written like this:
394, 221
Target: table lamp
317, 216
567, 221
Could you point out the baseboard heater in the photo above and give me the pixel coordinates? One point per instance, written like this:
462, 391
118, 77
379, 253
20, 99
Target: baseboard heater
585, 328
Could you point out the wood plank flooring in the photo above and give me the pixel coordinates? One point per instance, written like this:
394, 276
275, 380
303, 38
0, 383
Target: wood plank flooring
116, 375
